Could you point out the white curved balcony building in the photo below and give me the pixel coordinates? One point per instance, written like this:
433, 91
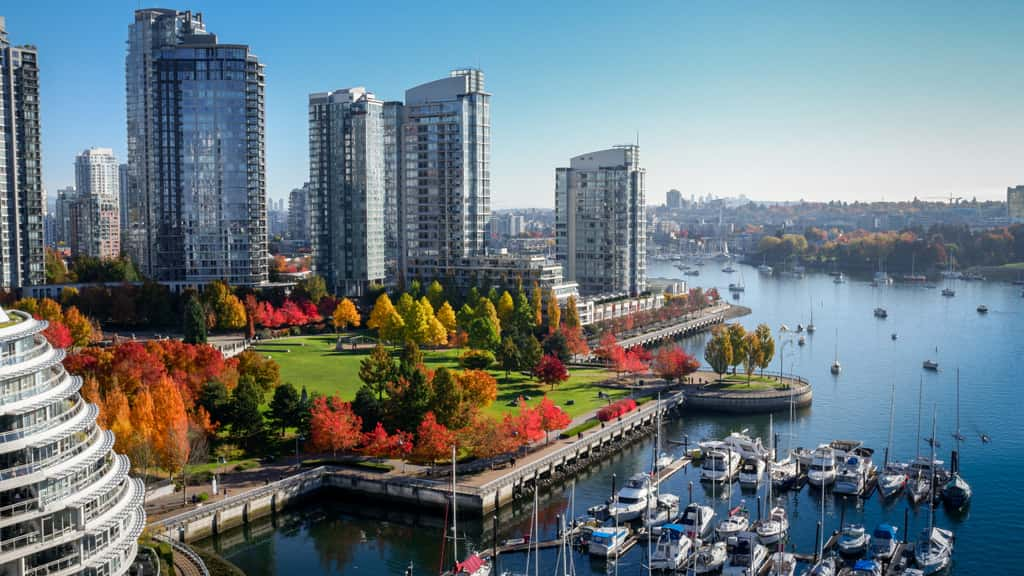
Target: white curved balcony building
67, 504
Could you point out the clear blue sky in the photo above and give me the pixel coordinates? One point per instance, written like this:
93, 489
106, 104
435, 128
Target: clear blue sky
812, 100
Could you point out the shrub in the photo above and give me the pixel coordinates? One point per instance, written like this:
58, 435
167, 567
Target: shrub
476, 359
612, 411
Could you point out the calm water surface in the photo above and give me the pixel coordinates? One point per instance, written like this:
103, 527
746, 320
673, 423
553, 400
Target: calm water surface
340, 536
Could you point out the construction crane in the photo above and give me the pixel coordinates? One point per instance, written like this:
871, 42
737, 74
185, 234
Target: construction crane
952, 199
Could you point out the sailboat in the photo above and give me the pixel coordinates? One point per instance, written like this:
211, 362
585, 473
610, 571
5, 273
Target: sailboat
824, 566
738, 286
776, 527
934, 549
472, 565
810, 325
836, 366
957, 492
661, 508
894, 474
919, 487
914, 276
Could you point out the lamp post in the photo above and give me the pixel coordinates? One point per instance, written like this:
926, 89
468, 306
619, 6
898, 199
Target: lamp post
297, 438
782, 357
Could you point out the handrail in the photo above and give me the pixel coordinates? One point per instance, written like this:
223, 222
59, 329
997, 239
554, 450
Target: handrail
187, 552
45, 424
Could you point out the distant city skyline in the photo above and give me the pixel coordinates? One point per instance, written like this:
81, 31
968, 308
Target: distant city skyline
816, 101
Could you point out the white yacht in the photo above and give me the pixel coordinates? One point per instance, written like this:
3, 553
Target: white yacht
748, 556
852, 476
751, 471
738, 521
883, 542
824, 567
709, 558
934, 550
673, 548
746, 446
822, 471
696, 519
782, 564
608, 541
631, 501
892, 480
784, 472
665, 510
720, 466
853, 541
775, 527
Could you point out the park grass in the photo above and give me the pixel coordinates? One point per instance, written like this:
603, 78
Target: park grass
312, 361
739, 383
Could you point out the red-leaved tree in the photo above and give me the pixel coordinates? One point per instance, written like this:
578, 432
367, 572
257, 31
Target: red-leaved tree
379, 444
551, 371
433, 440
333, 425
58, 335
551, 417
673, 363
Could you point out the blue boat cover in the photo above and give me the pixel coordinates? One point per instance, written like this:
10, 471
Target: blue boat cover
885, 531
865, 565
673, 527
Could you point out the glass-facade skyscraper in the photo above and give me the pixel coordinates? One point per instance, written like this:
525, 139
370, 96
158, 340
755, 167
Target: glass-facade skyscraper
601, 223
347, 189
196, 153
21, 188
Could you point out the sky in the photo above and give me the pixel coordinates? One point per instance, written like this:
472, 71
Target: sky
778, 101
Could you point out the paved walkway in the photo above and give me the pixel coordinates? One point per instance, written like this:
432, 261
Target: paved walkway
230, 483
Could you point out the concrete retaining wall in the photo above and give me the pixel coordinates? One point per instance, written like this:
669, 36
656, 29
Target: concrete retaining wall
738, 403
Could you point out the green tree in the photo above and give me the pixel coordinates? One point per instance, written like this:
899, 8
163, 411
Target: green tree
447, 401
482, 333
572, 315
556, 345
472, 297
766, 346
530, 353
508, 355
751, 354
194, 325
485, 309
736, 341
284, 407
368, 407
464, 317
411, 357
718, 352
414, 289
246, 417
435, 294
521, 323
377, 370
216, 400
56, 270
312, 287
410, 402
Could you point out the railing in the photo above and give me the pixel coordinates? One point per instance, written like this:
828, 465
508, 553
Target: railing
58, 565
26, 469
29, 538
41, 346
34, 390
45, 424
559, 454
186, 552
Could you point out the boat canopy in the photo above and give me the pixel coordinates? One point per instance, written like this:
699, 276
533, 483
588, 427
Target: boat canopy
674, 528
868, 565
886, 531
469, 565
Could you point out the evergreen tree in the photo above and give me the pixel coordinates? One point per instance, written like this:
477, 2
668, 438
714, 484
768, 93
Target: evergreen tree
246, 418
195, 322
508, 355
368, 407
530, 353
377, 370
284, 407
447, 397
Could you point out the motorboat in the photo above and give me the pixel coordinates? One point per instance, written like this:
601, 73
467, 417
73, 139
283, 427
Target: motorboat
836, 367
664, 461
748, 556
631, 501
736, 287
948, 292
881, 312
696, 520
775, 527
720, 466
823, 567
892, 480
839, 279
853, 541
852, 475
867, 568
751, 472
728, 269
782, 564
894, 336
804, 456
747, 447
666, 510
692, 273
918, 488
957, 492
822, 471
799, 328
982, 309
801, 341
672, 549
738, 521
765, 269
930, 365
934, 550
608, 541
883, 542
709, 558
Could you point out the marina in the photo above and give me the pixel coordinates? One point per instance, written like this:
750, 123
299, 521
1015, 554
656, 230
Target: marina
339, 535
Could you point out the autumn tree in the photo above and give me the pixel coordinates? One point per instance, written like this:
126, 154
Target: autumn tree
636, 361
435, 294
508, 355
333, 425
536, 297
736, 334
251, 310
551, 371
377, 369
264, 372
572, 314
194, 325
170, 429
80, 327
505, 307
608, 348
718, 351
766, 346
345, 315
751, 353
479, 388
49, 310
554, 312
552, 417
433, 440
673, 363
386, 320
58, 335
446, 316
377, 443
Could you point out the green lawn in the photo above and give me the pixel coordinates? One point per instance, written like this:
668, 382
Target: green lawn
739, 383
311, 361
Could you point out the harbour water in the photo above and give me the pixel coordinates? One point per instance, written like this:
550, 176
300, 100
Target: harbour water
348, 537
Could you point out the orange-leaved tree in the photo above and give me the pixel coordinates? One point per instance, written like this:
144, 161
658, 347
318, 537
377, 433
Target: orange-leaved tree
333, 425
433, 439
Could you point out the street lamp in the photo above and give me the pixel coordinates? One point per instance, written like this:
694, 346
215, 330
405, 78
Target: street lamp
297, 438
782, 357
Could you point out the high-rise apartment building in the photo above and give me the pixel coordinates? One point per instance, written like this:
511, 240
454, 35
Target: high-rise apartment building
346, 189
394, 230
21, 187
298, 214
446, 192
96, 214
674, 199
66, 197
600, 222
1015, 203
196, 165
122, 196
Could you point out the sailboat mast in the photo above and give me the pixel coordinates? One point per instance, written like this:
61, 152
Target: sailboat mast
892, 419
920, 400
958, 408
455, 531
931, 493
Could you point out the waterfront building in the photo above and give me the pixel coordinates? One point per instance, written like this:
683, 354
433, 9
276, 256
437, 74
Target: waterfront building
95, 211
346, 189
196, 166
298, 214
69, 506
21, 186
1015, 204
600, 221
446, 135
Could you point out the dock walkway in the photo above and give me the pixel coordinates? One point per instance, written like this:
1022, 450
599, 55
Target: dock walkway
689, 325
